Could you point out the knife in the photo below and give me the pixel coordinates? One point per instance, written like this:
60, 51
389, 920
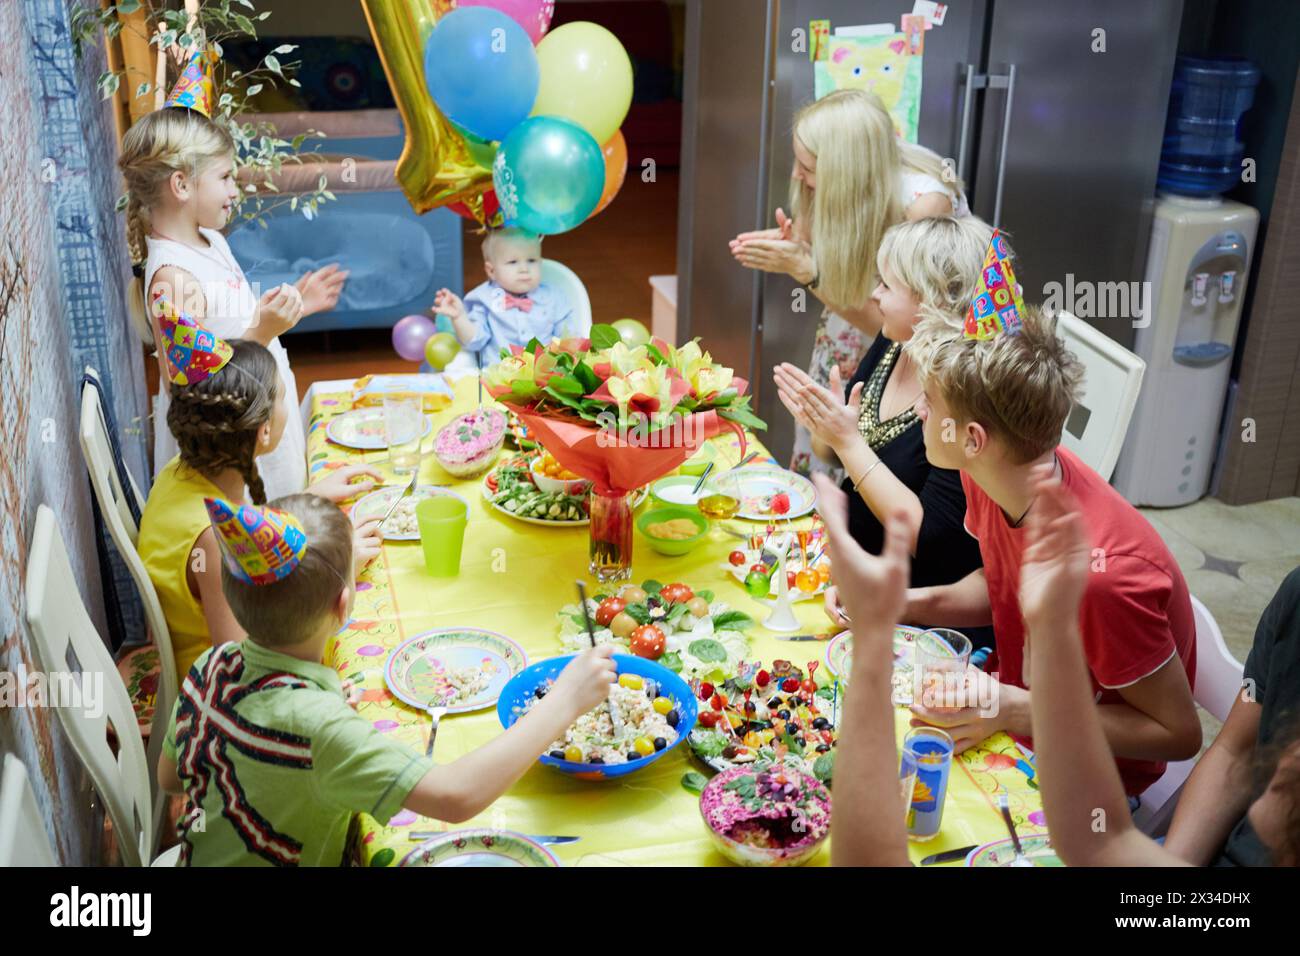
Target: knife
804, 637
949, 856
422, 835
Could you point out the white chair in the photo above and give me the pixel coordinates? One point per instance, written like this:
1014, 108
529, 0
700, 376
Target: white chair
1099, 421
23, 840
112, 497
73, 657
1218, 682
566, 282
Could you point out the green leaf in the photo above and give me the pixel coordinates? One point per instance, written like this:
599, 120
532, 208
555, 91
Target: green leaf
709, 744
673, 661
825, 693
604, 337
743, 416
254, 90
108, 84
655, 355
789, 740
652, 586
127, 7
245, 24
533, 345
707, 595
567, 385
708, 650
694, 782
285, 48
638, 612
383, 857
824, 767
589, 379
272, 64
732, 621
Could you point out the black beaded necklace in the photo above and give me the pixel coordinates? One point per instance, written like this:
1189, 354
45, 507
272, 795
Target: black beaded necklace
876, 433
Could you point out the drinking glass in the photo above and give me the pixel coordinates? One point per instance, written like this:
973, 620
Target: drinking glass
403, 430
942, 658
906, 780
719, 500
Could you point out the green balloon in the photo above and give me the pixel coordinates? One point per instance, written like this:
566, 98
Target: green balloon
440, 350
632, 332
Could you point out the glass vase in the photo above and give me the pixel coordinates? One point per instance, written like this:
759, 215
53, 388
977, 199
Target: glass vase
611, 537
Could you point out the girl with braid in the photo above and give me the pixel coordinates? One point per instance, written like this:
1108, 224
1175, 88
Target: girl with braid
228, 409
179, 168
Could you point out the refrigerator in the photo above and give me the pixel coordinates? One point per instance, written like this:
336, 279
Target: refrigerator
1051, 111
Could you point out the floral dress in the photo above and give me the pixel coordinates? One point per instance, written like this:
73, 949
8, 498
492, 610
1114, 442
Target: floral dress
840, 344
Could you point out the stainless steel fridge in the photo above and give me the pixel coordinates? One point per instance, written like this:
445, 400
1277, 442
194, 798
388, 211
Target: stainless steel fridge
1052, 111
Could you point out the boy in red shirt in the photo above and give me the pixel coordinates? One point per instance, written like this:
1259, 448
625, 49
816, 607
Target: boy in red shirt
995, 409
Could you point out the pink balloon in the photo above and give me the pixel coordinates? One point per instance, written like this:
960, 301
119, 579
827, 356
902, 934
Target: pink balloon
410, 334
533, 15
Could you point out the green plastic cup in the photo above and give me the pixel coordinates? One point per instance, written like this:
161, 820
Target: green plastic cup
442, 521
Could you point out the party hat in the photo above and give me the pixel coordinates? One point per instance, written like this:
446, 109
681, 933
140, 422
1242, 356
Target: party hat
261, 545
997, 307
194, 86
193, 353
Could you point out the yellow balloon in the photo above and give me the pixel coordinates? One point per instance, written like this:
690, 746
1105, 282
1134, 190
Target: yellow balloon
586, 77
435, 167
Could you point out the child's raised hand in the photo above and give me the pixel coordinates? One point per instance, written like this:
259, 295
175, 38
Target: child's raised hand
279, 310
448, 303
1054, 568
321, 289
585, 682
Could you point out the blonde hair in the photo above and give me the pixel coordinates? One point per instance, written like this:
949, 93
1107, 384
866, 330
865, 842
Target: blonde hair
497, 236
1019, 387
938, 259
860, 159
165, 141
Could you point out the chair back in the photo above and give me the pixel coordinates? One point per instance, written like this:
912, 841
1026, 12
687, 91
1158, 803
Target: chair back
1099, 420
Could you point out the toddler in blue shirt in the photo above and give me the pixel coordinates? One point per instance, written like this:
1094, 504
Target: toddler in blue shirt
513, 306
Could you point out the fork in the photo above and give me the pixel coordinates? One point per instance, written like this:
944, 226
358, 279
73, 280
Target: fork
406, 493
436, 714
1020, 859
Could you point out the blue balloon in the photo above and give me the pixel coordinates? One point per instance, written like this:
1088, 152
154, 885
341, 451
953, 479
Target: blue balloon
549, 175
481, 70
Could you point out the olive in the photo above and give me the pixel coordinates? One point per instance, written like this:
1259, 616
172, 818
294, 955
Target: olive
800, 740
729, 751
673, 718
823, 748
750, 707
540, 692
660, 743
633, 755
596, 759
783, 714
557, 754
821, 723
796, 701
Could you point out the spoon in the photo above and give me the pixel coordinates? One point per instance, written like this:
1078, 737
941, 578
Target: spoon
1021, 859
614, 717
436, 714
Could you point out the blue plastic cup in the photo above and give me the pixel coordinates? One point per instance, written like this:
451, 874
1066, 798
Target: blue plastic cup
932, 749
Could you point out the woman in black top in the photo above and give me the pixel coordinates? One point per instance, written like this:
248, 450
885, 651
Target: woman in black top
871, 428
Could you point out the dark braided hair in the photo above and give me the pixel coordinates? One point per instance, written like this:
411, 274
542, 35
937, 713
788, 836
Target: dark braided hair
215, 421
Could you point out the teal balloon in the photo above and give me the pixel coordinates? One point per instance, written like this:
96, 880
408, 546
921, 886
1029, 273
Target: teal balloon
549, 175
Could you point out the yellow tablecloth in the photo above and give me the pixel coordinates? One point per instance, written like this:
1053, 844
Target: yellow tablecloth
514, 576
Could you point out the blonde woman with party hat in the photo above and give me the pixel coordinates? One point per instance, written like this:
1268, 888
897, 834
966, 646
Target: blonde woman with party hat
853, 178
179, 167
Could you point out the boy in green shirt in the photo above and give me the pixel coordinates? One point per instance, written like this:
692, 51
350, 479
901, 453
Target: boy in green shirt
262, 741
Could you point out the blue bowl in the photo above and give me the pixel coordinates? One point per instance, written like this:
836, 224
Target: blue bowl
520, 689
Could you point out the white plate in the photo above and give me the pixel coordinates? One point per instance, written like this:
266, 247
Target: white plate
767, 481
363, 429
375, 504
637, 497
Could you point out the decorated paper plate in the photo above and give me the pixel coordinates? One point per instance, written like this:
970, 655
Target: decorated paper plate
401, 524
363, 429
839, 660
462, 669
793, 565
1001, 852
482, 847
531, 503
759, 488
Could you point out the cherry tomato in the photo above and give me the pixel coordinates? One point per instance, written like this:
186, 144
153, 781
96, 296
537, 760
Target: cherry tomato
632, 681
646, 641
573, 753
676, 593
762, 678
609, 608
662, 705
790, 685
705, 691
633, 594
757, 584
780, 503
809, 686
698, 606
791, 579
623, 624
644, 746
807, 581
759, 568
737, 558
823, 573
708, 718
716, 702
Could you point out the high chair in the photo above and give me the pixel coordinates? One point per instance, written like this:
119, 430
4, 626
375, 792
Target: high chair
74, 658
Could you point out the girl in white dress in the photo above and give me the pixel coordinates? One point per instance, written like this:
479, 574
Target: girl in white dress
853, 178
179, 169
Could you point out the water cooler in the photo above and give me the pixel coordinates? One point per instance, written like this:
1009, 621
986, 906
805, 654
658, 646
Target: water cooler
1199, 258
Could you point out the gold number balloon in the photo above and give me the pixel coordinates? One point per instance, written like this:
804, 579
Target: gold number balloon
435, 167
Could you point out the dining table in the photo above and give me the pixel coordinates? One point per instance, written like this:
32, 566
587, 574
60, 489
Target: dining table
514, 577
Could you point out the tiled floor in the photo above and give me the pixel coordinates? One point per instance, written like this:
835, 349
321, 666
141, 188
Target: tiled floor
1234, 558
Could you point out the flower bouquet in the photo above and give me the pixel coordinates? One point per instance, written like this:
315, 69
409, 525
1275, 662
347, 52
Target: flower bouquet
620, 417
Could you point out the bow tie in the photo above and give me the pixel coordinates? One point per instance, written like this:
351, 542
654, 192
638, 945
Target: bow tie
520, 302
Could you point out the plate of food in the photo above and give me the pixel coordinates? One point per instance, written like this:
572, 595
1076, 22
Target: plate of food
769, 493
480, 847
689, 632
778, 714
363, 429
462, 669
1036, 848
839, 660
766, 815
655, 706
401, 525
804, 580
512, 489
